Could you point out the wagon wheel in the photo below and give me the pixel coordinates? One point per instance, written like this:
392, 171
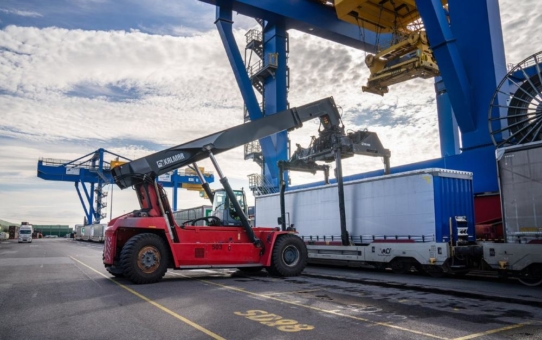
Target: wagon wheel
532, 275
515, 111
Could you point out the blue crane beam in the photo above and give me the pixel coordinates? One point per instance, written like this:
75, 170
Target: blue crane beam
305, 16
65, 174
90, 172
274, 148
276, 91
446, 51
224, 25
468, 46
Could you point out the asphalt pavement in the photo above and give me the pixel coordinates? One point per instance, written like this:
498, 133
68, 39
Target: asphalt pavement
59, 289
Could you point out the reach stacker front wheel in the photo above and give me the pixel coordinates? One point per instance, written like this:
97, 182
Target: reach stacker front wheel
289, 256
143, 258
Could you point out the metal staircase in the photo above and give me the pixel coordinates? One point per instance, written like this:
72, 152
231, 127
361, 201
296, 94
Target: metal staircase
253, 151
100, 190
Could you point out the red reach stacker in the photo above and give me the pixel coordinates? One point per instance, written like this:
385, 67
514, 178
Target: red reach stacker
141, 245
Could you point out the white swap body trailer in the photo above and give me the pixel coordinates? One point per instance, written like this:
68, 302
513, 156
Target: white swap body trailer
79, 230
25, 233
404, 217
96, 232
87, 233
520, 183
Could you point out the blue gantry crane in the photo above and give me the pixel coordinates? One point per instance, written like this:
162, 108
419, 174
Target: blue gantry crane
92, 173
458, 42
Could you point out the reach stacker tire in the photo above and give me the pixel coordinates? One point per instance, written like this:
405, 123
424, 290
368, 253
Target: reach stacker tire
289, 256
144, 258
115, 271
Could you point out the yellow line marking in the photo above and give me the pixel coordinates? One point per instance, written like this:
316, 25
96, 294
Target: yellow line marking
322, 310
493, 331
155, 304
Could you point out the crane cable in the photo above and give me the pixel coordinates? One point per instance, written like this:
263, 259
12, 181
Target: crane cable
378, 29
362, 34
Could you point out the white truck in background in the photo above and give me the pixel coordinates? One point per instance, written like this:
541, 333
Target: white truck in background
25, 232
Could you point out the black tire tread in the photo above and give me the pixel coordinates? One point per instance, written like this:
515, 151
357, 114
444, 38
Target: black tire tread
129, 268
115, 271
278, 268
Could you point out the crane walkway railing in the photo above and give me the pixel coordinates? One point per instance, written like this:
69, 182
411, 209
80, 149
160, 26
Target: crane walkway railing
260, 185
527, 63
71, 164
270, 63
367, 239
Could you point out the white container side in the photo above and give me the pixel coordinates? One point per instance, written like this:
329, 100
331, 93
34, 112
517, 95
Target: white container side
394, 205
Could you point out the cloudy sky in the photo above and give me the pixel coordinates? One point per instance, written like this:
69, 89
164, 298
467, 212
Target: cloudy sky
135, 77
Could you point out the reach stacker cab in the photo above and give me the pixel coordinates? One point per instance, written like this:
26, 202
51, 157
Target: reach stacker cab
224, 209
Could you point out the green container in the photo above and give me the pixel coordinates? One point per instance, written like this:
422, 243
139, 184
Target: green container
55, 230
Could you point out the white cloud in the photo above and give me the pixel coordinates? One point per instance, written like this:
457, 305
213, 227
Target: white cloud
521, 22
21, 13
174, 94
64, 93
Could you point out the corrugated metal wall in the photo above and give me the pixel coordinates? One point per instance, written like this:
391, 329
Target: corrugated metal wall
453, 197
520, 175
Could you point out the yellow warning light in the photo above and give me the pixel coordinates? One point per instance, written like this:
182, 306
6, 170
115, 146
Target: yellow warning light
116, 163
191, 186
192, 172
